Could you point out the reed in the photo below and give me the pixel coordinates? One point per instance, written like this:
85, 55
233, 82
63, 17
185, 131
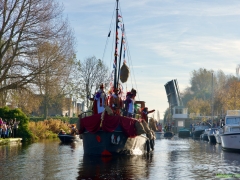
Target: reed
47, 129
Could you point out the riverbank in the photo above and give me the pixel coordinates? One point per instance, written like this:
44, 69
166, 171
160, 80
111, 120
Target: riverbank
10, 140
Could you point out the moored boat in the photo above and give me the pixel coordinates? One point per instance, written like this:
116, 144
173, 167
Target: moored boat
159, 135
183, 133
204, 135
198, 130
231, 131
168, 134
211, 135
217, 134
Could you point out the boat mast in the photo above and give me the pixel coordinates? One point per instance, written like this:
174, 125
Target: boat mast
116, 49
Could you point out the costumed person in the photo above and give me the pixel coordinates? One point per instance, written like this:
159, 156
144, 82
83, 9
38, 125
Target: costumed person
125, 104
150, 134
130, 103
152, 125
115, 102
145, 113
73, 130
99, 100
129, 109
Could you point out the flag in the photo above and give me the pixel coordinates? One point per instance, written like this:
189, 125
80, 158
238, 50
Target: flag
119, 16
109, 33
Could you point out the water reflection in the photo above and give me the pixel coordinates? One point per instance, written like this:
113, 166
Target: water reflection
123, 167
172, 159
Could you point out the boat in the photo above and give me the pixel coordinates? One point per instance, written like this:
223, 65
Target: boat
217, 134
68, 138
168, 131
211, 135
204, 135
230, 137
159, 135
184, 133
109, 133
198, 130
168, 134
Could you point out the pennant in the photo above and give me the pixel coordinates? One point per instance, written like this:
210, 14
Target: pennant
109, 34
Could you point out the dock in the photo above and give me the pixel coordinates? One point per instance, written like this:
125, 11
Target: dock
10, 140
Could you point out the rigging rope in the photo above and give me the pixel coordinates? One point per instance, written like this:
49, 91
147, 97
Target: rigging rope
132, 76
129, 58
108, 34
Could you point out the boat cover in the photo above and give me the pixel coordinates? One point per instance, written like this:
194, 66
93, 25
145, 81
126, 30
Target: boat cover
109, 124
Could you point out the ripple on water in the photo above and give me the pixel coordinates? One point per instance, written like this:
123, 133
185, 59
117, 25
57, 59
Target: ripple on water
172, 159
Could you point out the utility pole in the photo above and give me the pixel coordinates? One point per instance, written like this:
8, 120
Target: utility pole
212, 102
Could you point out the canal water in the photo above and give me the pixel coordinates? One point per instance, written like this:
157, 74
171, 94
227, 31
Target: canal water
172, 159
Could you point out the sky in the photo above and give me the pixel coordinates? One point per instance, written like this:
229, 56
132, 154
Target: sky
166, 40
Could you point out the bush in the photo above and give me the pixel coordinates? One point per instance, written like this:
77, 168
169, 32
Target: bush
48, 129
36, 119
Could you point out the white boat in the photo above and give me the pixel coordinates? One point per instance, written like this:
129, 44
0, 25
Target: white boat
217, 134
159, 135
231, 131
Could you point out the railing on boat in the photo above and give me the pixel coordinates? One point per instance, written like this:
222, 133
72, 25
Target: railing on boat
233, 112
86, 114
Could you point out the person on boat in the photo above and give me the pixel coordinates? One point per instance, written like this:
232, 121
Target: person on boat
152, 125
130, 105
159, 126
73, 130
115, 102
145, 113
62, 131
125, 104
99, 100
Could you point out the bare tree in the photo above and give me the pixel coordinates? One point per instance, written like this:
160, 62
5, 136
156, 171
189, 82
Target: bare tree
51, 83
91, 73
26, 25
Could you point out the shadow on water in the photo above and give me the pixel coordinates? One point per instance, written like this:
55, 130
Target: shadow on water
123, 167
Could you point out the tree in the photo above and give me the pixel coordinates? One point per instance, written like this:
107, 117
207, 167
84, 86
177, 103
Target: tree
25, 99
91, 73
233, 96
51, 83
186, 95
201, 83
199, 106
27, 25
